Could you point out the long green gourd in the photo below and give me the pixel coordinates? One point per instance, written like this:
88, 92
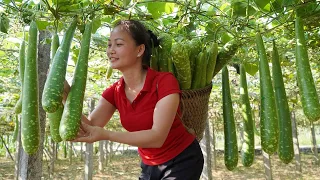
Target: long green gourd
30, 124
247, 151
230, 136
22, 52
285, 149
71, 117
55, 117
268, 115
180, 59
53, 88
308, 92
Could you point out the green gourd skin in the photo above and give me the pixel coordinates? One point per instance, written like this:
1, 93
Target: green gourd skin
71, 117
196, 81
54, 122
164, 52
55, 43
247, 151
230, 141
180, 59
285, 149
212, 59
308, 92
55, 117
22, 52
53, 88
30, 124
225, 55
268, 115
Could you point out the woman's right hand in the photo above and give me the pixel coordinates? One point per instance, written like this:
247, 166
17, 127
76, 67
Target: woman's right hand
90, 134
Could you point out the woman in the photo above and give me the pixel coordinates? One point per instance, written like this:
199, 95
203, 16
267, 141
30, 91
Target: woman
148, 104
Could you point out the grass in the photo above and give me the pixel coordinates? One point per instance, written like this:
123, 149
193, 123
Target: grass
126, 167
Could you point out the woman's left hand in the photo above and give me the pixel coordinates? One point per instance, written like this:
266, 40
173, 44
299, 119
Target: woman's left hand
90, 134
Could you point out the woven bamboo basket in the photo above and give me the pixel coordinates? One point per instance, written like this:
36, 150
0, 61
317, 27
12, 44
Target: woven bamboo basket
195, 109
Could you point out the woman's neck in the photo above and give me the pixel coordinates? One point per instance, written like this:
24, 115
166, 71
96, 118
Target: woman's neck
134, 78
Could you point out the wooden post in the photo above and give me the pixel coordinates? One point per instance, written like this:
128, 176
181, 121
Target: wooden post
88, 170
65, 145
54, 155
267, 165
6, 145
18, 152
296, 143
110, 150
107, 152
101, 156
314, 144
57, 150
70, 152
206, 149
31, 165
81, 151
213, 142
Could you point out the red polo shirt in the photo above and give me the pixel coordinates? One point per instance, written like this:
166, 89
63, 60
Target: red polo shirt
138, 115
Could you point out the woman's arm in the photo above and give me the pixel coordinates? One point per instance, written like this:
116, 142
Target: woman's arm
102, 113
164, 114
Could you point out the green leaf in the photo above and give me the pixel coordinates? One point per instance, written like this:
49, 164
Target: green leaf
224, 7
6, 1
75, 53
158, 8
211, 11
277, 6
251, 68
64, 2
4, 23
106, 19
169, 7
69, 8
50, 2
307, 9
239, 9
126, 3
99, 40
263, 4
96, 23
2, 53
110, 10
226, 37
289, 2
85, 3
251, 10
211, 27
42, 24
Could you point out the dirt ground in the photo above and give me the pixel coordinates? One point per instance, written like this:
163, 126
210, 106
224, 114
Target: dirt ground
126, 167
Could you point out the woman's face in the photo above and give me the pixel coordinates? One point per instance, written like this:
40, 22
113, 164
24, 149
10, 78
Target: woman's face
122, 49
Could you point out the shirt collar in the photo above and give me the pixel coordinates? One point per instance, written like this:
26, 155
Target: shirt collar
151, 74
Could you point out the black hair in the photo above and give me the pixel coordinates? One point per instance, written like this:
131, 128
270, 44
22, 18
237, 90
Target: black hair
141, 36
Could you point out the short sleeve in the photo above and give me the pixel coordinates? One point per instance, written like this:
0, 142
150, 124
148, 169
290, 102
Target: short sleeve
108, 94
167, 84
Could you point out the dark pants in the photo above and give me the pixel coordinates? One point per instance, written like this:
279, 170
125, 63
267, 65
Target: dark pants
186, 166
